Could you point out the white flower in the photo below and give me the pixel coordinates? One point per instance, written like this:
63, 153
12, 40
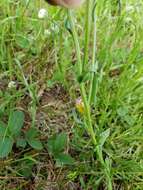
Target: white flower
129, 8
42, 13
47, 32
55, 28
12, 84
128, 19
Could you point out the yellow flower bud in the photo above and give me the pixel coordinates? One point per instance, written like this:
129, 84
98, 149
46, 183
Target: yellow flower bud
79, 105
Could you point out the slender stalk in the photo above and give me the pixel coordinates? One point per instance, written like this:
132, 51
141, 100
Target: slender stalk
87, 118
87, 32
77, 46
94, 66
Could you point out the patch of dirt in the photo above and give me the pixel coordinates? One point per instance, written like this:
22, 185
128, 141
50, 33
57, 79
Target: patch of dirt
53, 110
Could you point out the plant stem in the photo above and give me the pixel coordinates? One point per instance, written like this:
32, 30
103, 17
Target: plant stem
94, 66
77, 46
87, 31
87, 118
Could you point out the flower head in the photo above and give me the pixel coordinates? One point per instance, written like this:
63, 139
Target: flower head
42, 13
12, 84
47, 32
79, 105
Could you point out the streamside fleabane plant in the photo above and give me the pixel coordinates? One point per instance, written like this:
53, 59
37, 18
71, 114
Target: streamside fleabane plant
84, 104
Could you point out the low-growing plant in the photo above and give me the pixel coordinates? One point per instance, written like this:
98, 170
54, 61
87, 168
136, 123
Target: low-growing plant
99, 62
57, 146
11, 133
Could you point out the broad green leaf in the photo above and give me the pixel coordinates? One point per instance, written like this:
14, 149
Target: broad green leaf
61, 141
21, 142
5, 146
2, 129
51, 144
64, 159
57, 143
32, 139
35, 143
15, 122
32, 133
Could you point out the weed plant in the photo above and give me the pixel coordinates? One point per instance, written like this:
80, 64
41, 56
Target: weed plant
92, 57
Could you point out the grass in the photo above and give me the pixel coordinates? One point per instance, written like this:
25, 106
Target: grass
94, 53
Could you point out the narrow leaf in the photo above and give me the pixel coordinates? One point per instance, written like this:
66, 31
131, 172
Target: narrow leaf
103, 137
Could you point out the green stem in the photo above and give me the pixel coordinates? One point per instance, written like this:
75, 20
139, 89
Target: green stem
87, 31
88, 119
94, 66
77, 46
